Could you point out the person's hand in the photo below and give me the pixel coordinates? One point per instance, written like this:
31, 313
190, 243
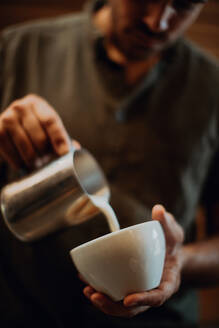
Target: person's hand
134, 304
30, 131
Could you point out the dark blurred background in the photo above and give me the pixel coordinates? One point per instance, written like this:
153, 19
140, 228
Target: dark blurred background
205, 32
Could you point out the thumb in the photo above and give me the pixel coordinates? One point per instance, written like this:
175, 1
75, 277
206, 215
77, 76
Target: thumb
173, 231
158, 212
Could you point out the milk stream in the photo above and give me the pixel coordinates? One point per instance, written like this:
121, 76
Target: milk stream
107, 211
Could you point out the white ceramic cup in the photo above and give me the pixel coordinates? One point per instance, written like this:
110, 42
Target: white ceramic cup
123, 262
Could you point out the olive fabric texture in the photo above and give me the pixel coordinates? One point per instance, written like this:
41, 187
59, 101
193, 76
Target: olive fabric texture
156, 142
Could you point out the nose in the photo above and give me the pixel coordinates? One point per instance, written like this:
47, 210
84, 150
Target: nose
158, 16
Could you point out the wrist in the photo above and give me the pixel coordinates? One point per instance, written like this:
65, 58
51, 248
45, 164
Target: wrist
185, 256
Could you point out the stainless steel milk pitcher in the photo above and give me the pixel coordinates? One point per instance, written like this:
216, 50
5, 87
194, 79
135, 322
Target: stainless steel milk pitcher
54, 197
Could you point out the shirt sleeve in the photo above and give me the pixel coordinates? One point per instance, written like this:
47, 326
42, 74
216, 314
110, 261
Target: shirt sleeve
210, 196
210, 193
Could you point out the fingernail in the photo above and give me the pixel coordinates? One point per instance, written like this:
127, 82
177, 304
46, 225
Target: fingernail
63, 149
128, 303
76, 144
46, 159
159, 207
38, 163
87, 292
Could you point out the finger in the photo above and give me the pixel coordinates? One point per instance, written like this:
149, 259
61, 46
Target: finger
76, 144
158, 212
53, 126
19, 138
109, 307
106, 305
32, 127
174, 228
116, 309
8, 150
88, 291
133, 300
153, 298
173, 231
83, 279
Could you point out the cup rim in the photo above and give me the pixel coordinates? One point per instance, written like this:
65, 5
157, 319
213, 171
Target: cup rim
114, 233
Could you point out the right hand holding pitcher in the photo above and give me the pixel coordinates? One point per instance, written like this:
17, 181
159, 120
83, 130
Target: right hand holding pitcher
30, 129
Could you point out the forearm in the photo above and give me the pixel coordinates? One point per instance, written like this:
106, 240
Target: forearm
200, 263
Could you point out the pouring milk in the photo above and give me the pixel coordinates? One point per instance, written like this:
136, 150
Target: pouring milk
103, 205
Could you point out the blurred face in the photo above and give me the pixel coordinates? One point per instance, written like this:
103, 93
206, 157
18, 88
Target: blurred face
143, 27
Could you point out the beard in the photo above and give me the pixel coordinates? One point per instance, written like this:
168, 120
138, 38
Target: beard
131, 50
138, 42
